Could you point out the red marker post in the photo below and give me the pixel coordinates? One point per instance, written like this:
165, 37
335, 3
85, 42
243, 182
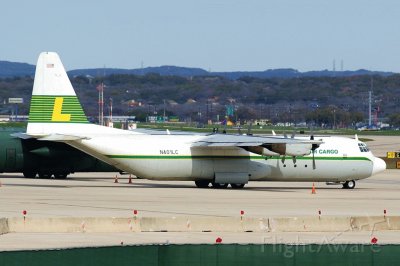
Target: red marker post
384, 213
241, 215
135, 212
218, 240
24, 212
319, 214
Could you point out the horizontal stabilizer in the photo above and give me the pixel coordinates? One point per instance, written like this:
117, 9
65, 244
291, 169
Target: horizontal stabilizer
51, 137
61, 137
22, 135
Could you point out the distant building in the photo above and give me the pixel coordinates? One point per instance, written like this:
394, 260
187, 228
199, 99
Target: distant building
261, 122
190, 101
133, 103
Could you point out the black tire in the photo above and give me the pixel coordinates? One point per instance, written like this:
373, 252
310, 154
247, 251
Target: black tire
218, 185
237, 186
45, 175
202, 183
351, 184
29, 174
60, 176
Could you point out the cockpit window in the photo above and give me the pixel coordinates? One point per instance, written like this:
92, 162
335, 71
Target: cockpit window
363, 147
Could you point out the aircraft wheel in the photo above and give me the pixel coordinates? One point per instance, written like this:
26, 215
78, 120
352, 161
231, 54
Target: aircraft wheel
44, 175
218, 185
29, 174
202, 183
237, 186
60, 176
349, 184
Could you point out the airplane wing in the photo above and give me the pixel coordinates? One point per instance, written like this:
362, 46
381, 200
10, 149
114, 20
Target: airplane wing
260, 145
222, 140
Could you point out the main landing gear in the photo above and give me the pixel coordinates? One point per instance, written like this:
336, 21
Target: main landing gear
44, 175
351, 184
202, 183
206, 184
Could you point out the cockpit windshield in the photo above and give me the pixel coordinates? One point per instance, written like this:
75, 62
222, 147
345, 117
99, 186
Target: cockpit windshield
363, 147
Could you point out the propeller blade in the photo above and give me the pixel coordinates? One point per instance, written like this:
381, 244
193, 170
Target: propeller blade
312, 133
313, 160
313, 147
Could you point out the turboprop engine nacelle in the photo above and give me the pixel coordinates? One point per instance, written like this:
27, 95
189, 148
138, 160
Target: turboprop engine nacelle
293, 149
298, 149
262, 151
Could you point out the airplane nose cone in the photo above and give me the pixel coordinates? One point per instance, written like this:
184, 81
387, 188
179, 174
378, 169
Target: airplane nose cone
379, 166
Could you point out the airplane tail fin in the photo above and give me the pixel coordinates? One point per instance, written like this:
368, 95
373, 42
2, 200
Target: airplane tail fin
54, 105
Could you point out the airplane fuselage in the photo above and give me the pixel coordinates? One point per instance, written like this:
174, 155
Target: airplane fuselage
172, 157
56, 115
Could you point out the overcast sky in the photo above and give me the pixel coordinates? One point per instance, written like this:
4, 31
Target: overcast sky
216, 35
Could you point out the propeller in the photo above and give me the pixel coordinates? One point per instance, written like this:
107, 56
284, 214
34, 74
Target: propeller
313, 148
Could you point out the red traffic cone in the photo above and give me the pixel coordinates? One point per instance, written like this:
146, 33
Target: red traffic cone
313, 191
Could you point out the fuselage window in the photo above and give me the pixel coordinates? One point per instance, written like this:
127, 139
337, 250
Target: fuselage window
363, 147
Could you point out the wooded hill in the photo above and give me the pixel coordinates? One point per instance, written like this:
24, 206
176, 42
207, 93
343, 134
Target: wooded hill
344, 99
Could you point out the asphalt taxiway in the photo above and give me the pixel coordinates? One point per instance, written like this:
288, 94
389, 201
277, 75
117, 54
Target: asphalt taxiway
96, 195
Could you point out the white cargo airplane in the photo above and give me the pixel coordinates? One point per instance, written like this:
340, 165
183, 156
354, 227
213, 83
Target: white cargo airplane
219, 159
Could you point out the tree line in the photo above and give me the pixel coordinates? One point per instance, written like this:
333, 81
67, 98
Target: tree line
338, 101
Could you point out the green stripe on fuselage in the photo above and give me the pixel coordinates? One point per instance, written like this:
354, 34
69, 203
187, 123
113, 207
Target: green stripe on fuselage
169, 157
